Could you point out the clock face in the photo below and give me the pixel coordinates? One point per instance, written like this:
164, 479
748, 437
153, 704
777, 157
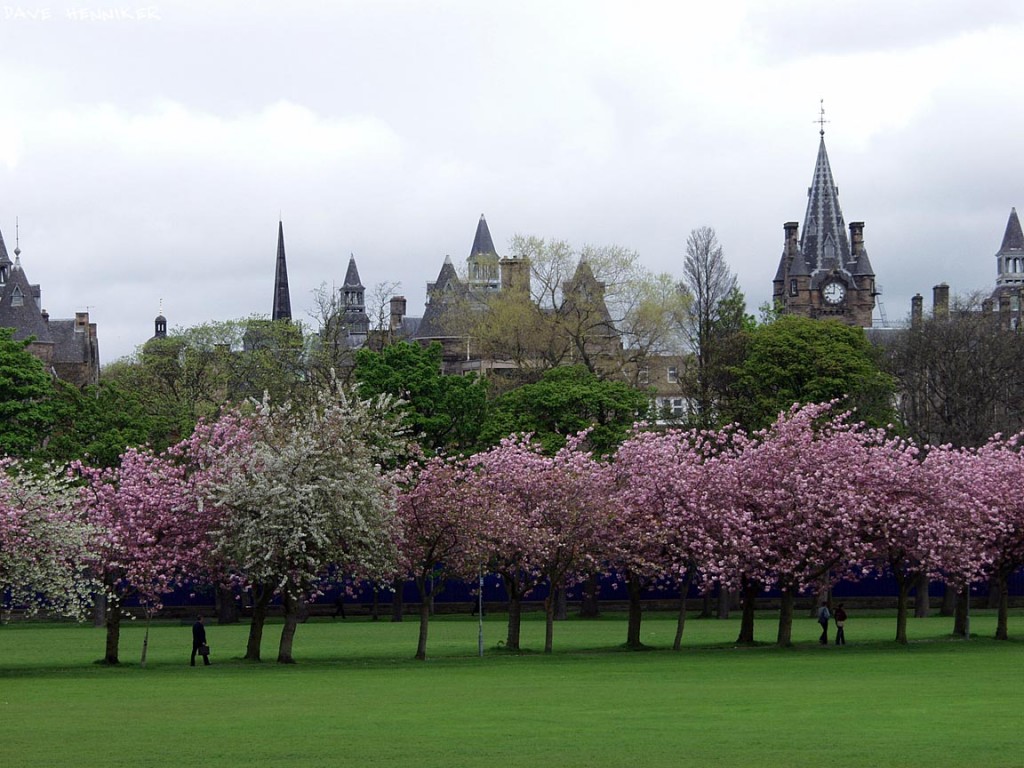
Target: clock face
834, 293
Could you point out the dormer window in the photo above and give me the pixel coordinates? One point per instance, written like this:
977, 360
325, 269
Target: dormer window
17, 298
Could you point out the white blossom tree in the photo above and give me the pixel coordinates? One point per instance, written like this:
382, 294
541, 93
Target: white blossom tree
305, 498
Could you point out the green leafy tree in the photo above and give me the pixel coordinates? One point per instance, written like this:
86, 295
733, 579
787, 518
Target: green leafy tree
799, 360
444, 412
564, 402
26, 392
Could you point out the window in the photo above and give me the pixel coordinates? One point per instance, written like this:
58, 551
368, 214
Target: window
17, 299
673, 375
644, 375
793, 290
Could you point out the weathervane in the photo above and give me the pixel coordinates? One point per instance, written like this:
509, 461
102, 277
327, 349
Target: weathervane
17, 238
821, 119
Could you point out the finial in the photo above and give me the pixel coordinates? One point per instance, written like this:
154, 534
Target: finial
161, 307
17, 239
821, 119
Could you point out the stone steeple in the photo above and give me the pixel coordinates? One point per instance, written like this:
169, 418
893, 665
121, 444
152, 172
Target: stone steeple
353, 299
1010, 258
825, 271
482, 262
282, 298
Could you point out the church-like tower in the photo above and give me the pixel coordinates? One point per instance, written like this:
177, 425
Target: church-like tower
1010, 258
353, 304
282, 298
823, 273
482, 262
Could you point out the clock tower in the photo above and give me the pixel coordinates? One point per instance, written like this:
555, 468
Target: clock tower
824, 272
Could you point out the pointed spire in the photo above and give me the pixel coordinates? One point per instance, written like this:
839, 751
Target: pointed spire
824, 243
482, 242
1013, 238
282, 298
352, 275
4, 258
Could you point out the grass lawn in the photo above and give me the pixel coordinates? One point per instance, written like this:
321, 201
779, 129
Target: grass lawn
357, 698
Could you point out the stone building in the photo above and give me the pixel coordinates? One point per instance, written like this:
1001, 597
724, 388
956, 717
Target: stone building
69, 348
825, 272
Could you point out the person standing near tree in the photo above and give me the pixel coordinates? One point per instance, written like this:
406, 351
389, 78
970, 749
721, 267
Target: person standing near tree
823, 616
840, 623
199, 642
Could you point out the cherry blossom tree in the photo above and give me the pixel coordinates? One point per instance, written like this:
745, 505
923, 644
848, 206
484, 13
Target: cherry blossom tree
660, 523
148, 532
438, 531
982, 514
43, 542
306, 497
899, 524
799, 481
546, 520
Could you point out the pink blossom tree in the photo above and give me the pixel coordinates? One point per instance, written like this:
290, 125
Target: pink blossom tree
899, 527
981, 511
438, 530
546, 520
660, 522
799, 482
148, 532
44, 542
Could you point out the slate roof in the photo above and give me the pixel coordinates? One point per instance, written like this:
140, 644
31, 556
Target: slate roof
482, 242
282, 298
1013, 238
824, 243
440, 293
24, 316
352, 275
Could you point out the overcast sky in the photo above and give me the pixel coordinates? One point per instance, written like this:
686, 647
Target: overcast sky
149, 156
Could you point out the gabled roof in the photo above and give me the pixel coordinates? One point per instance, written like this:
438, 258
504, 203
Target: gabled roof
1013, 238
440, 294
23, 314
482, 242
824, 243
282, 298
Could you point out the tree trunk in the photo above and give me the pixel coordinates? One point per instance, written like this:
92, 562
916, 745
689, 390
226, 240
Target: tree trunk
515, 612
421, 643
750, 589
1004, 604
549, 620
962, 614
260, 603
633, 588
561, 604
113, 624
681, 621
948, 601
705, 604
724, 602
589, 608
375, 605
99, 611
993, 592
292, 617
227, 606
922, 606
396, 600
785, 634
902, 601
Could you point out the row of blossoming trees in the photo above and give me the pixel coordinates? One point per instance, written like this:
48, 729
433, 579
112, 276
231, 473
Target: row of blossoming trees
284, 500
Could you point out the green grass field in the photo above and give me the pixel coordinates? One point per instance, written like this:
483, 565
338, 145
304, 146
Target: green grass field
357, 698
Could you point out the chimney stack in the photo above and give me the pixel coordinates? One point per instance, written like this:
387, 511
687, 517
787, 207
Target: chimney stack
856, 238
397, 312
916, 311
940, 301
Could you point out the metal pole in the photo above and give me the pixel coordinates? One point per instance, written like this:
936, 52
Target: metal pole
480, 615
